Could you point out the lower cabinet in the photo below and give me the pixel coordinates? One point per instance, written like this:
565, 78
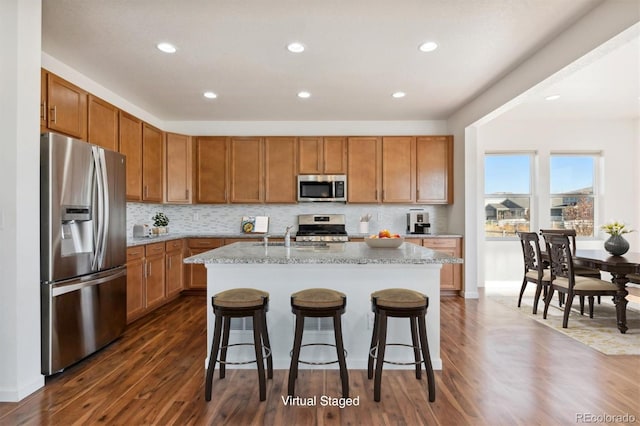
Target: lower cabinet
145, 279
451, 273
195, 275
174, 267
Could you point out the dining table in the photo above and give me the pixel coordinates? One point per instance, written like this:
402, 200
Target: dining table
619, 267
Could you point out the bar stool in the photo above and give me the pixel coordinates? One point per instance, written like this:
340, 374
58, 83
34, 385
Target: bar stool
240, 303
399, 303
318, 303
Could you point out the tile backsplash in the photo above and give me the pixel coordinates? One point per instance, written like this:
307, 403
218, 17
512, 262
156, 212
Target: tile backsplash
225, 218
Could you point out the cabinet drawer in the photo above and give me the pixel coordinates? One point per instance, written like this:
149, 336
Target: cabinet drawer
155, 248
174, 245
205, 242
435, 243
134, 253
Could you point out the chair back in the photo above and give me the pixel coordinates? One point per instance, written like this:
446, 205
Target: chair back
531, 252
570, 233
559, 250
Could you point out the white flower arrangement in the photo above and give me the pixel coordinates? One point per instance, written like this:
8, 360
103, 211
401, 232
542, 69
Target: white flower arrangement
616, 228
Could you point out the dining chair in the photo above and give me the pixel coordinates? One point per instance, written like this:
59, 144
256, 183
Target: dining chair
564, 279
535, 271
578, 270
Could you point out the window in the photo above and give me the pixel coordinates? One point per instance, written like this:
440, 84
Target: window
507, 189
572, 192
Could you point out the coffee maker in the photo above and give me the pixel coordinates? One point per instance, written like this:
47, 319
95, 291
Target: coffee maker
418, 222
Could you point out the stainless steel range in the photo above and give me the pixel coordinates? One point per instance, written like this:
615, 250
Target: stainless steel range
322, 228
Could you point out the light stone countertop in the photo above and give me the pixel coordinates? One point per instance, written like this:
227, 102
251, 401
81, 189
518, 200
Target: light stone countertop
339, 253
132, 242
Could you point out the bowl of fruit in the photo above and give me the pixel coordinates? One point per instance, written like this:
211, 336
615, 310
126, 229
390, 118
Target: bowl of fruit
384, 239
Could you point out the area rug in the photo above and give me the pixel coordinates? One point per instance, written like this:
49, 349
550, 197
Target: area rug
599, 332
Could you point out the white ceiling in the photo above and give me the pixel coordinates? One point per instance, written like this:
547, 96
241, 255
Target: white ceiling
358, 53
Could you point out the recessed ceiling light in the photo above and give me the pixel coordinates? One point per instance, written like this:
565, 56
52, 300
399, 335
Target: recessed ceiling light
428, 46
210, 95
399, 95
166, 47
552, 97
295, 47
304, 95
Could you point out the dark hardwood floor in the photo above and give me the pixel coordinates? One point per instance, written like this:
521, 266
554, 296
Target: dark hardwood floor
500, 368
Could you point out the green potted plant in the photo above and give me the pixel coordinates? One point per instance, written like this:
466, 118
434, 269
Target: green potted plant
160, 223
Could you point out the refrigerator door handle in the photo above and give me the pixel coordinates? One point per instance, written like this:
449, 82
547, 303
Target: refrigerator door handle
77, 284
100, 180
105, 204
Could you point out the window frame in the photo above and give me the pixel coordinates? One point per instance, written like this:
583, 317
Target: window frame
531, 195
597, 159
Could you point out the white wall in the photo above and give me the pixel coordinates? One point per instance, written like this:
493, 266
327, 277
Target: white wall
19, 199
618, 191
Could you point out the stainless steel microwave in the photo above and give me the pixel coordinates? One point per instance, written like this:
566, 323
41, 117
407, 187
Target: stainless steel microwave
322, 188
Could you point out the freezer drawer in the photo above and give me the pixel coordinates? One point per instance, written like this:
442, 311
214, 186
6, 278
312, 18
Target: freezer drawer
80, 316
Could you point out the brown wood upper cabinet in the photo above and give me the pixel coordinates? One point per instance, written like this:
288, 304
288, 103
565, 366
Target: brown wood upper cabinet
178, 161
131, 146
280, 169
247, 169
398, 169
212, 169
322, 155
434, 169
364, 160
152, 148
103, 123
63, 106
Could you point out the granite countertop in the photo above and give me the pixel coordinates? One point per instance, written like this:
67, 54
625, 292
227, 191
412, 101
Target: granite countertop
132, 242
339, 253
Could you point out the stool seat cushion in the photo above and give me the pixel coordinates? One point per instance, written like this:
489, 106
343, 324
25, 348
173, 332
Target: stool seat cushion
318, 298
240, 298
399, 298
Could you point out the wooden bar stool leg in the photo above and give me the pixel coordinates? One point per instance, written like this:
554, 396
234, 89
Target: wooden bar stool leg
424, 344
267, 343
225, 344
382, 341
344, 374
297, 343
257, 344
374, 343
213, 357
416, 346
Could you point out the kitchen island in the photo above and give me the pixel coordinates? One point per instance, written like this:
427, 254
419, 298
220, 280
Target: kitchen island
352, 268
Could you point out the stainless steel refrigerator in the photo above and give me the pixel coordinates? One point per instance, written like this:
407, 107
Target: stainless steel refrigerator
82, 249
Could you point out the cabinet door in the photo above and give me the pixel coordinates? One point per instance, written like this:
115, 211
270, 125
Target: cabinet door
151, 163
280, 169
43, 100
103, 123
335, 155
174, 273
310, 155
364, 162
212, 171
135, 282
67, 107
247, 170
398, 169
196, 274
451, 273
178, 168
434, 162
155, 280
131, 146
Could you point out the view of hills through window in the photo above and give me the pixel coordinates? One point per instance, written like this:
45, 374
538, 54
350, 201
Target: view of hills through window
510, 185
